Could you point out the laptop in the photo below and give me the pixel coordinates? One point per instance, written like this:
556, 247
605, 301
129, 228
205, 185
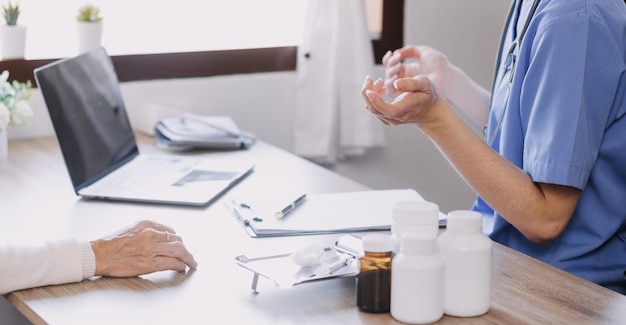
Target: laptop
99, 147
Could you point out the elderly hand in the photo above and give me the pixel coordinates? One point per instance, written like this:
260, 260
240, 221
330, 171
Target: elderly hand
411, 61
143, 248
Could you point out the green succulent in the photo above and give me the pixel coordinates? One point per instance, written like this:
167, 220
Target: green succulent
89, 13
11, 13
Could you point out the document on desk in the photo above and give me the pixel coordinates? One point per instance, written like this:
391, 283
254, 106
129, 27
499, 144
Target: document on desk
342, 212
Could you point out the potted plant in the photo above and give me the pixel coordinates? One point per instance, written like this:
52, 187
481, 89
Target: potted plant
13, 35
89, 28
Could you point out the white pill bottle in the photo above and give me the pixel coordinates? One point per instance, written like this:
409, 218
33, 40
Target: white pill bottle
467, 253
413, 217
417, 274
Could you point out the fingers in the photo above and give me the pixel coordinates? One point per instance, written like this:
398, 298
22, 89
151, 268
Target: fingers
147, 224
373, 86
413, 105
419, 83
177, 255
162, 233
172, 247
376, 103
168, 237
165, 263
395, 67
386, 57
410, 51
389, 85
394, 59
370, 85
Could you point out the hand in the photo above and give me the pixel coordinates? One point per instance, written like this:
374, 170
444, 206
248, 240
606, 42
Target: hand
143, 248
414, 105
411, 61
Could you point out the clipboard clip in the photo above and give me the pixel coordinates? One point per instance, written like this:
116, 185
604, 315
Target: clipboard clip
244, 212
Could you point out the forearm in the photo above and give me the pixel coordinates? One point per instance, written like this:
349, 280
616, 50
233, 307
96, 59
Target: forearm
504, 186
467, 96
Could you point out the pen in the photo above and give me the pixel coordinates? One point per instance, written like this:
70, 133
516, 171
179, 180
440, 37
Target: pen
282, 213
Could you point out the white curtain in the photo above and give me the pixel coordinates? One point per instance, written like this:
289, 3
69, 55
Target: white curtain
331, 121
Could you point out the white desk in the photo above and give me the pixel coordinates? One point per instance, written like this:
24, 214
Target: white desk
38, 202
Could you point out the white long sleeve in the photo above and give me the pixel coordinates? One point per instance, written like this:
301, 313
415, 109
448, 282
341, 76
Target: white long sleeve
57, 262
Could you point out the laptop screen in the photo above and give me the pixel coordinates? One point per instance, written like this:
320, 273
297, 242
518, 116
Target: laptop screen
88, 114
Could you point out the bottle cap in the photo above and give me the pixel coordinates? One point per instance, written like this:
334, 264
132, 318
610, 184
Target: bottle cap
420, 243
465, 220
415, 212
377, 243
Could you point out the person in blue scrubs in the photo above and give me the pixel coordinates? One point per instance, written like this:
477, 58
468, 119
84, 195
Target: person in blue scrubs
551, 167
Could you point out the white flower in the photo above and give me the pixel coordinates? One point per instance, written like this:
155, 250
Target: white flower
6, 89
5, 116
14, 97
22, 113
4, 76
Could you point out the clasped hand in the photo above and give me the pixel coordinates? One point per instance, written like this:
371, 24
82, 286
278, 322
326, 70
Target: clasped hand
411, 83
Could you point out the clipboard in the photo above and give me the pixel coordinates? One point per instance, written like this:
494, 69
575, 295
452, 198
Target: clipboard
340, 261
342, 212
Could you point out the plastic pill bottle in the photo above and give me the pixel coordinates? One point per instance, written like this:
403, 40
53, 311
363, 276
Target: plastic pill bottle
415, 217
373, 280
467, 253
417, 280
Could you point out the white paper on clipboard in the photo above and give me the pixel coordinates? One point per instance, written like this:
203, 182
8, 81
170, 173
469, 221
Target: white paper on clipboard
343, 212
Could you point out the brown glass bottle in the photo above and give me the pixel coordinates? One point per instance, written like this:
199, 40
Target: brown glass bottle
373, 290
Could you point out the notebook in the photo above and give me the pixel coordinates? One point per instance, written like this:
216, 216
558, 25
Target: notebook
341, 212
99, 148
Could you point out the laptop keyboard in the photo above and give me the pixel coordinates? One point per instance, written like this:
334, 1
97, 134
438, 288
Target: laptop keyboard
141, 173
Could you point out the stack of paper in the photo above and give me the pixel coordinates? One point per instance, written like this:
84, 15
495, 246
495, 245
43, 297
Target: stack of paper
322, 213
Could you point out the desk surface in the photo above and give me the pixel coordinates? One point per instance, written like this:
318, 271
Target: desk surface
39, 203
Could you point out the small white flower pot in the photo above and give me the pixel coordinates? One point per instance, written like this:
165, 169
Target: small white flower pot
13, 41
89, 35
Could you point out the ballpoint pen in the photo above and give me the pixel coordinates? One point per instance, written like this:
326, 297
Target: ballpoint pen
282, 213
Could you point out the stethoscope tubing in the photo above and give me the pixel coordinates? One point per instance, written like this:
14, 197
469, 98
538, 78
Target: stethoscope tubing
509, 63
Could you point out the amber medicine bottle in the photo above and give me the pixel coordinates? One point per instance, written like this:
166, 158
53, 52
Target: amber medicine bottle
373, 281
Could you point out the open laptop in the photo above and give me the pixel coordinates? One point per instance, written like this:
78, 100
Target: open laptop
99, 148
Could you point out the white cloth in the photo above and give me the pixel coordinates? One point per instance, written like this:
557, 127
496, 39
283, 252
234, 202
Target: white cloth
330, 121
56, 262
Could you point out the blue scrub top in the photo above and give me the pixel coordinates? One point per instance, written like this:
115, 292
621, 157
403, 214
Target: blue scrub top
564, 124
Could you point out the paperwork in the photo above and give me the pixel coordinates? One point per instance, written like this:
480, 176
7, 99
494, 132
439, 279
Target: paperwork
342, 212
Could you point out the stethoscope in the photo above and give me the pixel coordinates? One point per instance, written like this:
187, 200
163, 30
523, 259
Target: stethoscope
509, 63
